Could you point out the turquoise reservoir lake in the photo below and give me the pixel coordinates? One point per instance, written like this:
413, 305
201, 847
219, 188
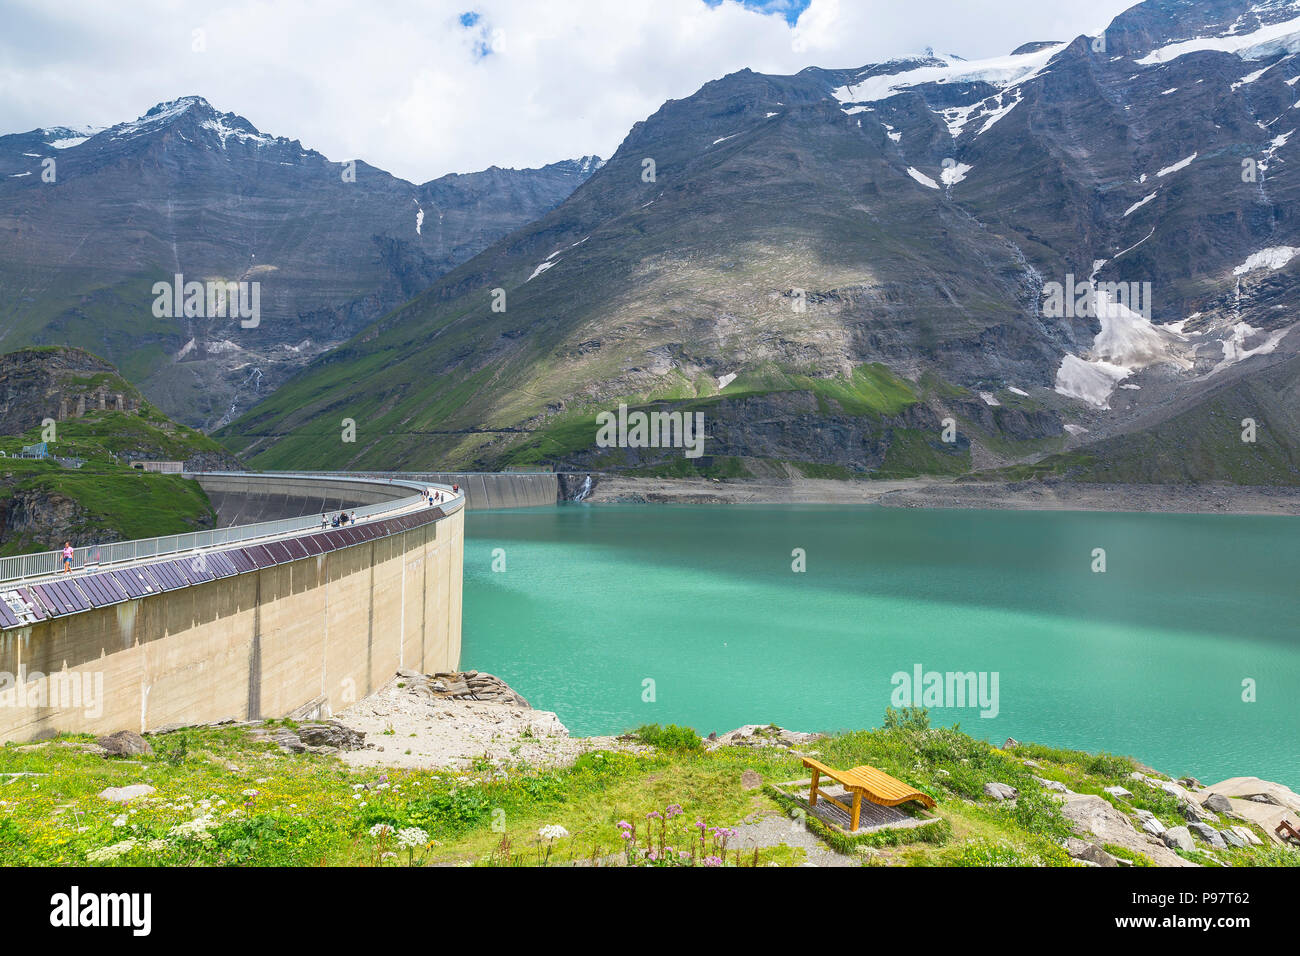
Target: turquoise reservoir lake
615, 616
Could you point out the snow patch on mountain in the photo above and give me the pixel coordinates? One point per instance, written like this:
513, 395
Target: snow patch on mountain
1249, 46
1250, 78
1126, 343
542, 267
1274, 257
1234, 346
1092, 382
952, 175
224, 130
1139, 204
922, 178
1001, 71
989, 399
1002, 110
1181, 164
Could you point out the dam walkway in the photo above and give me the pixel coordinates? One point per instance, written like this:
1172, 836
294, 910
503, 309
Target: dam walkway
249, 619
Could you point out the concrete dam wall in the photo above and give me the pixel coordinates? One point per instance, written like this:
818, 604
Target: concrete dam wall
486, 489
247, 498
302, 623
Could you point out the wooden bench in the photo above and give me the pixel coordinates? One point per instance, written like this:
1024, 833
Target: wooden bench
877, 786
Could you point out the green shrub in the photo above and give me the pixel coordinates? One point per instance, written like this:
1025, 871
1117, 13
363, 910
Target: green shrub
672, 737
907, 718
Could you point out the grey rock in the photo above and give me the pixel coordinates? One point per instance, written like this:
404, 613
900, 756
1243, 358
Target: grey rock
1247, 834
1148, 822
1119, 792
1217, 802
1011, 744
1089, 852
409, 674
1178, 838
1232, 838
1152, 825
124, 743
1054, 785
126, 794
331, 734
1208, 834
1000, 791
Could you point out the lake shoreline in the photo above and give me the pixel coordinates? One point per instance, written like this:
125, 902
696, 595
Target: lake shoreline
1040, 495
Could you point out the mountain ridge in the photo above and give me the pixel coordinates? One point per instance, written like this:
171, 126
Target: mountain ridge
92, 219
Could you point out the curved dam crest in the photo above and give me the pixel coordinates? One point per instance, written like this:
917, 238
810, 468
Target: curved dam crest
306, 622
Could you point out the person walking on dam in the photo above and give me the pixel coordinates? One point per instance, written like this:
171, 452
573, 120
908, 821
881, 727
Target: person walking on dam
67, 557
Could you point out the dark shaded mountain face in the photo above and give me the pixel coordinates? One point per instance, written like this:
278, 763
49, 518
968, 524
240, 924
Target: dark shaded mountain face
829, 265
89, 223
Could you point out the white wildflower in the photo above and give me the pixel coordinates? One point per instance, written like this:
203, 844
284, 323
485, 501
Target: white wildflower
412, 837
106, 854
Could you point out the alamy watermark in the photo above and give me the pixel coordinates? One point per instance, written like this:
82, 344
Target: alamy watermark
922, 688
208, 300
1090, 299
651, 430
66, 690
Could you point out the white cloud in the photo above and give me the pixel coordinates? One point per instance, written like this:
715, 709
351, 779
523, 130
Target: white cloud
404, 85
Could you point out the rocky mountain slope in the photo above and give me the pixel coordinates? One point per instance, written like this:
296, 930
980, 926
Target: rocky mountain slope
94, 425
829, 265
90, 221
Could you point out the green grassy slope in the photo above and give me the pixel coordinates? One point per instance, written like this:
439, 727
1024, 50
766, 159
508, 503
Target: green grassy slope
222, 798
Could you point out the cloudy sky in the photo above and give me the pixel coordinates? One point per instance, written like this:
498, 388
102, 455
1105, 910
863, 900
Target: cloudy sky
426, 87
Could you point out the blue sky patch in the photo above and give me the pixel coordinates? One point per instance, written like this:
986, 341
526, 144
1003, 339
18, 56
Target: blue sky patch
788, 9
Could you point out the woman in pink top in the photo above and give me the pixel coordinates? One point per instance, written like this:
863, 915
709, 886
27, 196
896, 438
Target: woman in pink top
67, 557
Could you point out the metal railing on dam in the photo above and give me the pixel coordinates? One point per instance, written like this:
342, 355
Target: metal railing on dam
23, 566
265, 619
484, 489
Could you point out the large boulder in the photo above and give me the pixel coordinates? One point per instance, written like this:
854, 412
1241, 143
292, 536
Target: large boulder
126, 794
1178, 838
1232, 838
1149, 824
1261, 791
1207, 833
124, 743
331, 734
1089, 853
1217, 802
1092, 815
1247, 834
1000, 791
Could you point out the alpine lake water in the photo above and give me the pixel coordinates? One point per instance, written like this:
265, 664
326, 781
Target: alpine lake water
1183, 653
